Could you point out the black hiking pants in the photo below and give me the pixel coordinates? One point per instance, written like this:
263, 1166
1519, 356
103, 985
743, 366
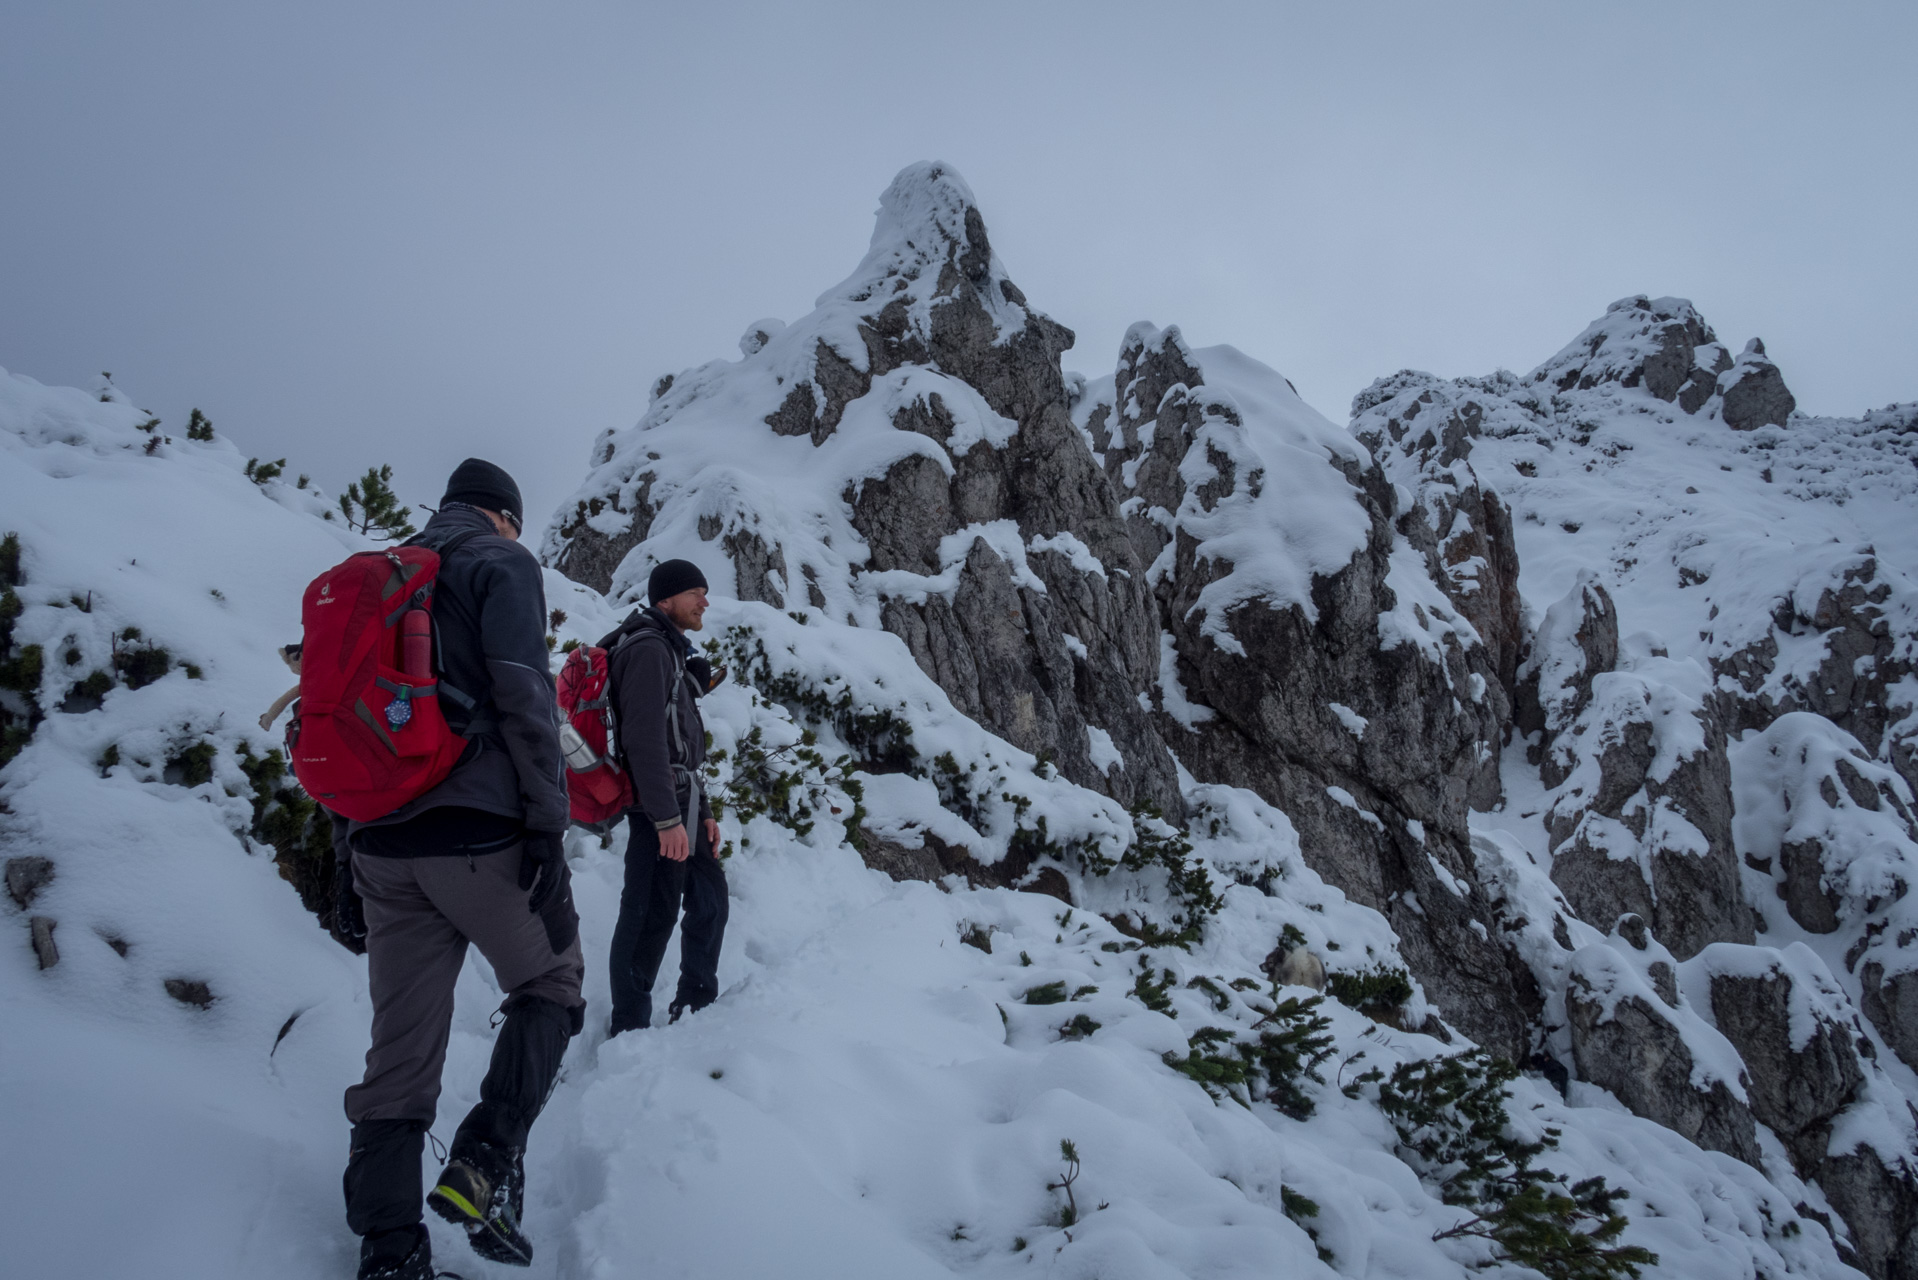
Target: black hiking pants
648, 907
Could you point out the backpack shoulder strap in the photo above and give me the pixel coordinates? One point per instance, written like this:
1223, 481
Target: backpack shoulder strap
672, 695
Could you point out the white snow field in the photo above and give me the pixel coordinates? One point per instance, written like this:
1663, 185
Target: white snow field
870, 1097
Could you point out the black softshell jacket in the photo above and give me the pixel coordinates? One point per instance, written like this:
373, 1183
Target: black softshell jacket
643, 656
489, 620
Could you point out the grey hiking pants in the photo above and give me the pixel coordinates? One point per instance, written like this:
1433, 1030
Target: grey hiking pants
420, 914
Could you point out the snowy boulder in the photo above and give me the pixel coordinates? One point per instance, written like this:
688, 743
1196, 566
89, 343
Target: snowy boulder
1666, 1064
1788, 1023
1813, 1079
1752, 392
1639, 341
1641, 820
1844, 644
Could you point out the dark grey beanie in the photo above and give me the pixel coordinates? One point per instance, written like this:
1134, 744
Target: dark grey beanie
480, 483
670, 577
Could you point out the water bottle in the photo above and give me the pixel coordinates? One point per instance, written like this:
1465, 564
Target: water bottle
416, 645
579, 753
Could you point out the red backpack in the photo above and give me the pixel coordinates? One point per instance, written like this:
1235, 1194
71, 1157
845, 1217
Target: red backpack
596, 782
367, 735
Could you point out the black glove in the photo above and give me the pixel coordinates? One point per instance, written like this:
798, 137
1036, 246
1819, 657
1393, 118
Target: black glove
542, 868
349, 915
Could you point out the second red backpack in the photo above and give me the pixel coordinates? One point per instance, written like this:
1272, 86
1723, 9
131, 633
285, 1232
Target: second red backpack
367, 735
596, 781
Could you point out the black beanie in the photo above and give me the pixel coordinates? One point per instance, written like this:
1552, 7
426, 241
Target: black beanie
670, 577
481, 484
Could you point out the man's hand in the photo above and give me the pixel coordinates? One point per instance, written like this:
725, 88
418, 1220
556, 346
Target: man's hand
349, 916
712, 837
672, 844
542, 868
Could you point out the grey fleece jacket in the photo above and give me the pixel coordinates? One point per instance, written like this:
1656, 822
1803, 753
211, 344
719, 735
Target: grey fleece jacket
644, 653
489, 621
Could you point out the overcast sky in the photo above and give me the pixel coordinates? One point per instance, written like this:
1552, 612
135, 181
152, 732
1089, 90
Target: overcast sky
407, 232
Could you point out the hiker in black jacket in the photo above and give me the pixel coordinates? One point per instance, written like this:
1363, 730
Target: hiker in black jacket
673, 849
476, 859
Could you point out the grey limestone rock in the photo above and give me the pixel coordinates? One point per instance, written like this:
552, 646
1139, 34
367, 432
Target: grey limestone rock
40, 928
1653, 342
1640, 1056
1753, 392
1879, 1206
1421, 431
1862, 660
26, 876
1628, 836
1796, 1091
1892, 1005
1575, 644
1386, 825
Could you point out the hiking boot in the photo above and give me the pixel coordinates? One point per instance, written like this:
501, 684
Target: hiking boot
481, 1189
402, 1254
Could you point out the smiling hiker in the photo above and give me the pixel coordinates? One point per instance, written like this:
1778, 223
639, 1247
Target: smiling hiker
673, 850
473, 855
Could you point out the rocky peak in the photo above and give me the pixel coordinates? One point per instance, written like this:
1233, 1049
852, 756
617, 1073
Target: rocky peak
1665, 346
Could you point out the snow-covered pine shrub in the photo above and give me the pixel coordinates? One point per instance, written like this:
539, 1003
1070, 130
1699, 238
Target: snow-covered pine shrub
300, 833
1153, 994
790, 784
1375, 992
880, 738
1454, 1130
141, 662
1302, 1209
380, 514
261, 472
1158, 844
198, 427
1267, 1067
19, 672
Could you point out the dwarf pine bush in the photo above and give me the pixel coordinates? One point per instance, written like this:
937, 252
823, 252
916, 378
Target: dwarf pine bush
1454, 1130
371, 507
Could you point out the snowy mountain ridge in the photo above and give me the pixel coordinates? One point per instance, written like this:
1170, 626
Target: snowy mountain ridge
1470, 718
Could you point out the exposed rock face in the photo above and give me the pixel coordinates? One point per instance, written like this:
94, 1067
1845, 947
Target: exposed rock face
971, 519
1644, 828
1753, 392
1312, 702
1423, 440
1892, 1005
1185, 561
1641, 818
1863, 654
1635, 1050
1577, 643
1877, 1204
1833, 830
1805, 1072
1795, 1089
